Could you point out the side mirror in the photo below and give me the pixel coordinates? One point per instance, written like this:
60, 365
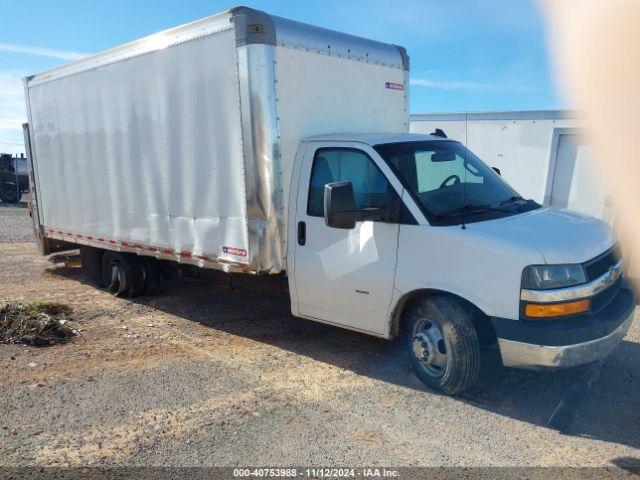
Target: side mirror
340, 205
497, 170
340, 209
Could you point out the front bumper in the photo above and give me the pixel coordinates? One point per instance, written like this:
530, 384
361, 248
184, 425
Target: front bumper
566, 343
528, 355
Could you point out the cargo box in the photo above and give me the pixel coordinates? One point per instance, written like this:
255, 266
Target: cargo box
181, 145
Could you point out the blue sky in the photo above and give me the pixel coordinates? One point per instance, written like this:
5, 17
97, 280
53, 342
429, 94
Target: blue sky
466, 55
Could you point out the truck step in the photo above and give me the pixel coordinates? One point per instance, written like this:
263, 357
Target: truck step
70, 259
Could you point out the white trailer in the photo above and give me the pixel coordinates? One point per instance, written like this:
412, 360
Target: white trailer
239, 143
519, 143
181, 145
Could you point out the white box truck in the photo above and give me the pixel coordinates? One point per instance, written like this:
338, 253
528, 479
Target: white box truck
249, 143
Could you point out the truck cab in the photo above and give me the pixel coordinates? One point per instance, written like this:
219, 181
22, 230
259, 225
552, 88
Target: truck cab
413, 235
14, 180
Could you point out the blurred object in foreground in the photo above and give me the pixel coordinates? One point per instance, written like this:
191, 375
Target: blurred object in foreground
594, 47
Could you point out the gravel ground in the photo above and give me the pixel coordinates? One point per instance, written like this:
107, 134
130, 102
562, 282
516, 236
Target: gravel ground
203, 375
15, 224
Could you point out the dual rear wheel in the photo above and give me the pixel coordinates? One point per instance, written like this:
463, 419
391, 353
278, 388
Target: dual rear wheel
122, 274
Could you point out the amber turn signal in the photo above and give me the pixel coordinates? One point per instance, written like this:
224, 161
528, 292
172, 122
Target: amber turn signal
537, 310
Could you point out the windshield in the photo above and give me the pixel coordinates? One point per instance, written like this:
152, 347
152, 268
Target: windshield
450, 183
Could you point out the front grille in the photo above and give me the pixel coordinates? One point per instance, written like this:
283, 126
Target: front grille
601, 264
602, 299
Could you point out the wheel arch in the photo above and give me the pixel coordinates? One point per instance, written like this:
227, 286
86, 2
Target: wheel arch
481, 320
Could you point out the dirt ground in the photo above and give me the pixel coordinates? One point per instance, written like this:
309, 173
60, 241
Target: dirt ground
205, 375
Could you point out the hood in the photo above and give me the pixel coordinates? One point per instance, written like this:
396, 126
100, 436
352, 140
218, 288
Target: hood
561, 236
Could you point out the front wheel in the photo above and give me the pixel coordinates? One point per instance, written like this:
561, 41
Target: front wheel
442, 344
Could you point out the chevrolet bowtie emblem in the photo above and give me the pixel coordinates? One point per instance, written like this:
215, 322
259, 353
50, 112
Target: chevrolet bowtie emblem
614, 273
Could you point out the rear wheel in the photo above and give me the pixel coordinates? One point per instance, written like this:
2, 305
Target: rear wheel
442, 344
152, 275
123, 274
91, 259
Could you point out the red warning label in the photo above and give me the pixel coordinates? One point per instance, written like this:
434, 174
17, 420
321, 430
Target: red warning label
394, 86
235, 251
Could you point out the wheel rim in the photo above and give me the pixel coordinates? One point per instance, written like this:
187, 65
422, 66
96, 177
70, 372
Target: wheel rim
429, 348
117, 282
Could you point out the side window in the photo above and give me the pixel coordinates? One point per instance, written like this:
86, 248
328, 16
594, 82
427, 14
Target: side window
370, 187
21, 167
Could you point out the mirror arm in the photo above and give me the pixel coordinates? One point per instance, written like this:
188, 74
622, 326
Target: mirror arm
387, 214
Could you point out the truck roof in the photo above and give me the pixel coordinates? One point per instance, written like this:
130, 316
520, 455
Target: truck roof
253, 26
375, 138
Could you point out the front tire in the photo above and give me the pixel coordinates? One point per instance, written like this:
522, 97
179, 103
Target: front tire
442, 344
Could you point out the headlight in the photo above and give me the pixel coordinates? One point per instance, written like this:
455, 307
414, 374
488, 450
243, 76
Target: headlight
546, 277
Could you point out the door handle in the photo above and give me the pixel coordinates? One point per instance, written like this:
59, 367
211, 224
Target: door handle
302, 233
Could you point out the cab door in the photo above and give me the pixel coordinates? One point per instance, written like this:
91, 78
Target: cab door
345, 276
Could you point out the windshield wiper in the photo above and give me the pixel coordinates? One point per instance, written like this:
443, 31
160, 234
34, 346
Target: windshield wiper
512, 199
473, 209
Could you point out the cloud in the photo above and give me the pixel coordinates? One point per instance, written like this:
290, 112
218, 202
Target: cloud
43, 52
449, 84
467, 85
12, 111
12, 106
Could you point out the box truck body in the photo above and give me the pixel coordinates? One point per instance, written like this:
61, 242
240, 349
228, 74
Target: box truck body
181, 145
